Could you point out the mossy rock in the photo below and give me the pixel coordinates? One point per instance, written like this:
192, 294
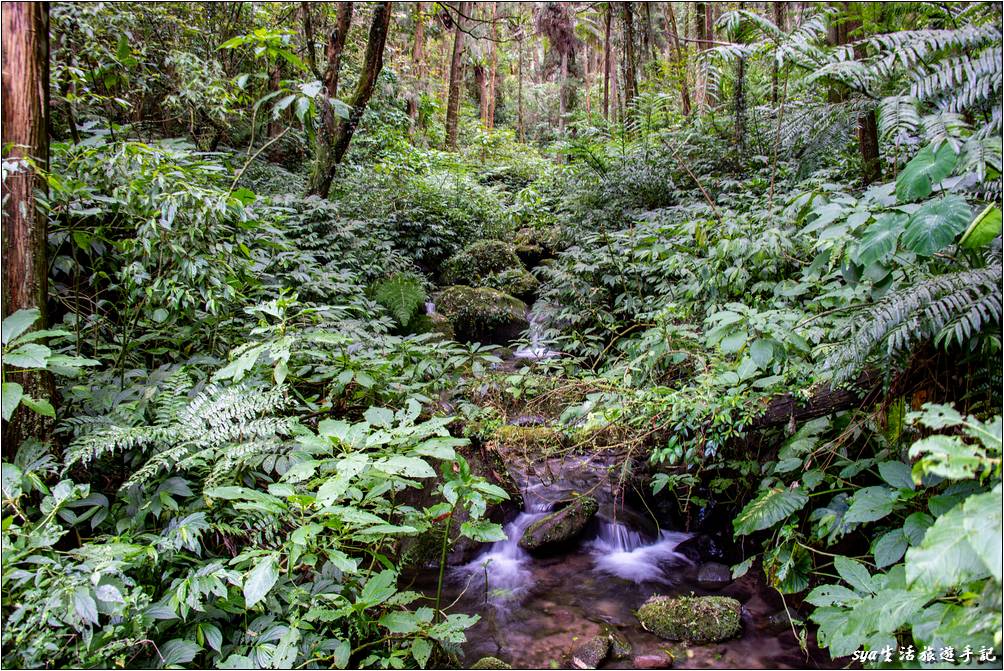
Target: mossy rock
516, 282
546, 238
434, 323
556, 530
589, 654
484, 315
620, 647
480, 260
490, 663
535, 440
697, 619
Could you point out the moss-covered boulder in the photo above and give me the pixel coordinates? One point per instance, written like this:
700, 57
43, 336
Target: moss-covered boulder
484, 315
556, 530
516, 282
697, 619
533, 244
620, 647
479, 260
529, 440
590, 653
490, 663
434, 323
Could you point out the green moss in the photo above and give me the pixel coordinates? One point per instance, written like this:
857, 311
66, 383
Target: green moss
434, 323
620, 647
505, 480
559, 527
530, 439
588, 655
490, 663
700, 619
515, 282
480, 260
481, 314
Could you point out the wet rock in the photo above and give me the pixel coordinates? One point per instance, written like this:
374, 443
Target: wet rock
713, 575
777, 622
590, 653
482, 315
432, 323
490, 663
530, 440
700, 619
557, 529
651, 662
701, 548
620, 647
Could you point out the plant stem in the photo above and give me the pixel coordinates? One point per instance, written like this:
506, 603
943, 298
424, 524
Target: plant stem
442, 560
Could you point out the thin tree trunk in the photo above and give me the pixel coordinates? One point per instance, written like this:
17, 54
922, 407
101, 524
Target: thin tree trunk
418, 63
587, 75
25, 88
453, 101
868, 144
493, 70
563, 92
675, 40
630, 80
778, 8
372, 64
606, 62
740, 106
309, 43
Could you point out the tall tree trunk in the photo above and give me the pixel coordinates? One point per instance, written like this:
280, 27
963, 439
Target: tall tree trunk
481, 79
608, 22
675, 40
456, 64
320, 179
630, 79
25, 128
587, 76
493, 68
740, 106
309, 44
520, 123
778, 11
868, 144
372, 64
417, 63
336, 45
563, 92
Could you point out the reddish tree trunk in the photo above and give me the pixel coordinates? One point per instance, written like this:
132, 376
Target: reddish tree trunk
25, 130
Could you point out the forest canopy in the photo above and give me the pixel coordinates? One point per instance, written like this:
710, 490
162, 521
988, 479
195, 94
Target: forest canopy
498, 334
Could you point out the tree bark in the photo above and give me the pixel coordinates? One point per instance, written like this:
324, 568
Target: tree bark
563, 92
456, 64
606, 62
25, 87
675, 40
372, 64
418, 63
630, 79
493, 69
868, 144
825, 401
778, 10
520, 123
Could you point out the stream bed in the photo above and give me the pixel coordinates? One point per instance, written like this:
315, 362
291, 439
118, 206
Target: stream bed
535, 610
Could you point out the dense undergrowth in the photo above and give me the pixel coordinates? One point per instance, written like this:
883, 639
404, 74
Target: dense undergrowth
251, 393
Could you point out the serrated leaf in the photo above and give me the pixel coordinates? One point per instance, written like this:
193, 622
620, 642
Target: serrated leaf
421, 650
896, 474
483, 531
890, 548
983, 526
828, 595
945, 557
854, 574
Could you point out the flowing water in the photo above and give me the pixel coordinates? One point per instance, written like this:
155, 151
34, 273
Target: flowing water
536, 350
535, 610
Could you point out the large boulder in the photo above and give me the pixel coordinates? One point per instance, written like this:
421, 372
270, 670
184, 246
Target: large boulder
490, 663
478, 260
559, 528
698, 619
484, 315
713, 575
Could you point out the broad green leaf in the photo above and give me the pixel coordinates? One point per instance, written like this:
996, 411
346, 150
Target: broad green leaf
400, 622
889, 548
334, 488
483, 531
985, 227
983, 525
41, 406
870, 504
897, 474
178, 651
947, 457
380, 417
378, 589
762, 352
85, 606
829, 595
411, 467
11, 397
29, 355
879, 239
934, 226
18, 323
926, 169
261, 579
945, 558
769, 508
854, 574
421, 650
915, 526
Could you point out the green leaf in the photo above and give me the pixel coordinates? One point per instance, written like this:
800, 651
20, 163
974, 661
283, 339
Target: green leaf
889, 548
400, 622
769, 508
926, 169
854, 574
11, 397
29, 355
945, 558
734, 341
915, 526
483, 531
829, 595
378, 589
85, 606
335, 487
261, 579
897, 474
18, 323
879, 239
982, 523
178, 651
762, 352
934, 226
411, 467
985, 227
41, 406
379, 417
421, 650
870, 504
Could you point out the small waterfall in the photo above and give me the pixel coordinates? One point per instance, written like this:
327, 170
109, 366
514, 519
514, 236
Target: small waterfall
627, 554
536, 350
430, 308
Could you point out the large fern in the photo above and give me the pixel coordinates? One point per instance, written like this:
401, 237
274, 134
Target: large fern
402, 294
948, 308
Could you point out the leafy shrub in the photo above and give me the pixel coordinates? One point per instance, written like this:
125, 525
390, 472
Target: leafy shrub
478, 260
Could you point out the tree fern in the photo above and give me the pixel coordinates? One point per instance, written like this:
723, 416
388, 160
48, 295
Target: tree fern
947, 308
402, 294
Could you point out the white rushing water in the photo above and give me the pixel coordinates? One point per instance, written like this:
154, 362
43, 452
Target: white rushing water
430, 308
627, 554
536, 349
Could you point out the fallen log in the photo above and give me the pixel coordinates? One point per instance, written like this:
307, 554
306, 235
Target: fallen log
825, 400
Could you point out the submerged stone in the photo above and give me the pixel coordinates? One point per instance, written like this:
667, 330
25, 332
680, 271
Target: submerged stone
651, 662
490, 663
558, 528
591, 652
714, 575
700, 619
